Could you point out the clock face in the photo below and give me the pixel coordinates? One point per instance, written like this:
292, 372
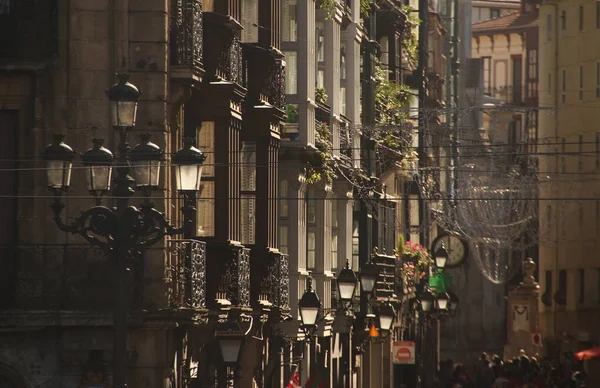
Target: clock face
457, 249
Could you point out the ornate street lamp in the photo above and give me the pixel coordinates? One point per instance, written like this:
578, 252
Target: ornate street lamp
442, 301
98, 161
309, 306
230, 338
122, 229
188, 167
59, 160
346, 283
386, 316
146, 159
368, 277
426, 298
441, 257
123, 98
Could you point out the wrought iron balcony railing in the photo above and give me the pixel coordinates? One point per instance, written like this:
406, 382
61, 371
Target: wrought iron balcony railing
278, 279
228, 268
186, 37
186, 274
274, 89
28, 31
229, 64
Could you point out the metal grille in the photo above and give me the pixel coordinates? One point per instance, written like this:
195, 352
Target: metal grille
187, 34
187, 274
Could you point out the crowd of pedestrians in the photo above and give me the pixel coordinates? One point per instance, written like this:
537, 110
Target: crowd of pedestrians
519, 372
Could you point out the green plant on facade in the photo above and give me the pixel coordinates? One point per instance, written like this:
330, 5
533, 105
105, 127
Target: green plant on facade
292, 113
321, 95
329, 7
410, 41
391, 101
321, 165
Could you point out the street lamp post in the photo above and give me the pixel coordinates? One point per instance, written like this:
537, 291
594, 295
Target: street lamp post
124, 231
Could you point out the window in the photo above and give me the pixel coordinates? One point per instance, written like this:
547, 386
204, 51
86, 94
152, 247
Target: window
283, 199
563, 21
311, 221
597, 14
487, 75
549, 27
580, 82
355, 246
581, 18
334, 234
248, 192
291, 72
532, 76
564, 87
549, 84
581, 285
561, 293
206, 202
283, 239
311, 247
598, 285
494, 13
548, 287
290, 21
250, 21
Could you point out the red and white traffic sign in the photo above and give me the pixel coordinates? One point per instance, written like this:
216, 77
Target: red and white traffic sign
403, 352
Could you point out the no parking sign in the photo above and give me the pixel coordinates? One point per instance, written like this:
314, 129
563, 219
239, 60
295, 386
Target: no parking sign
403, 352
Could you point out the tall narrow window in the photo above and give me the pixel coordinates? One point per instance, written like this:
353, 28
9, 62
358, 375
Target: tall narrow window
290, 21
291, 72
206, 198
581, 18
248, 192
549, 84
563, 21
580, 82
549, 27
311, 235
548, 294
564, 86
283, 199
355, 245
561, 293
334, 234
597, 14
283, 239
563, 159
487, 75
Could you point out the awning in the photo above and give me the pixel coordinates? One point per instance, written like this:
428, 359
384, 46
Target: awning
589, 354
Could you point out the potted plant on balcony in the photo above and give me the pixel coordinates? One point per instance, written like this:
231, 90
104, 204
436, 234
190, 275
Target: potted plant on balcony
320, 164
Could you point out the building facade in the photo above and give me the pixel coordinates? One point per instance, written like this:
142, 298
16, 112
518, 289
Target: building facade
204, 76
569, 223
492, 9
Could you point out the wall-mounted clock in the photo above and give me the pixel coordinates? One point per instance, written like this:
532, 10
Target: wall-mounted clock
458, 249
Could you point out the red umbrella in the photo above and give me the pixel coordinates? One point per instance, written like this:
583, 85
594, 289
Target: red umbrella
589, 354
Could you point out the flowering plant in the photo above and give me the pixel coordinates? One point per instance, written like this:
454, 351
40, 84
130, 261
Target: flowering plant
416, 254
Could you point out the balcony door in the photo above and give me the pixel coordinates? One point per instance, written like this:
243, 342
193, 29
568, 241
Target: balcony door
517, 78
